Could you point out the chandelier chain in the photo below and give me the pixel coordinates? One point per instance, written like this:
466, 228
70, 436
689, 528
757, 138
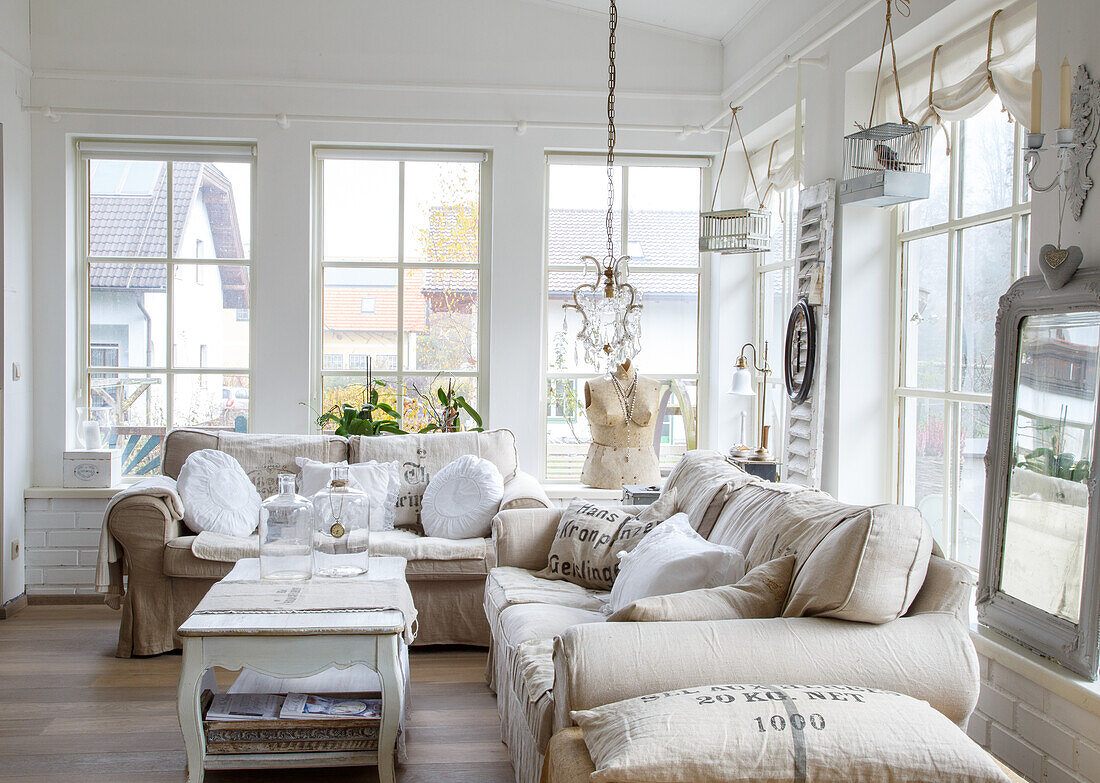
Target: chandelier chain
612, 23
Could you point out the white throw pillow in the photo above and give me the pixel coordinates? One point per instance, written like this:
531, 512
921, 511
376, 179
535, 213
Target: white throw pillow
673, 558
462, 498
380, 481
217, 494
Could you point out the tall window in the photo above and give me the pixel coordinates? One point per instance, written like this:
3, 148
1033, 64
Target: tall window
403, 269
775, 296
166, 263
658, 227
959, 251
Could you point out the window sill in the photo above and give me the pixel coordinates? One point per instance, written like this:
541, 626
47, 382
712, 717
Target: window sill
558, 492
1069, 686
71, 492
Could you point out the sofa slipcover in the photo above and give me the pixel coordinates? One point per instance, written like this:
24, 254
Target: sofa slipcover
925, 653
165, 580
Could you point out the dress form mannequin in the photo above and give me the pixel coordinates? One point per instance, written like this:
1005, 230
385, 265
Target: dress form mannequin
621, 451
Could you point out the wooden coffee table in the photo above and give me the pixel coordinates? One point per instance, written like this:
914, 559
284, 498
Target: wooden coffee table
291, 644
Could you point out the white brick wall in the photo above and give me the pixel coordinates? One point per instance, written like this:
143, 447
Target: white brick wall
62, 542
1038, 733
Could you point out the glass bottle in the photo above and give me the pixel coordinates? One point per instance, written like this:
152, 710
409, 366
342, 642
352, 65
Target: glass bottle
341, 528
286, 533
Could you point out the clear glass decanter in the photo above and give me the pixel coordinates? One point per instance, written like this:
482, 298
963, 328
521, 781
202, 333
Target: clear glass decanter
341, 528
286, 534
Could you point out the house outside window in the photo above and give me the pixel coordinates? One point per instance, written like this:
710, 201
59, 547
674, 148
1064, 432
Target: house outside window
657, 223
958, 251
402, 263
160, 326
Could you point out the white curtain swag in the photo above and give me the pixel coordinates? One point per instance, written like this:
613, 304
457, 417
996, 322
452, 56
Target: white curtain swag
993, 59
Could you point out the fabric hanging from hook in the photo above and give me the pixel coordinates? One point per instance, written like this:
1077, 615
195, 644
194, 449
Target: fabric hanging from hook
934, 116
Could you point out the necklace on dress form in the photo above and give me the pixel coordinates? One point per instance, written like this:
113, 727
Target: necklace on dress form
627, 398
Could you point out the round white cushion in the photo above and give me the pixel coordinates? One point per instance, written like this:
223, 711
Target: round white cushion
217, 494
462, 498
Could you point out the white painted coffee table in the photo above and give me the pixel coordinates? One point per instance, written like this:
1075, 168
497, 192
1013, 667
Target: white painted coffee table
291, 643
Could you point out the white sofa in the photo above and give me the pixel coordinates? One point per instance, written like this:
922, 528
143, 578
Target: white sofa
553, 652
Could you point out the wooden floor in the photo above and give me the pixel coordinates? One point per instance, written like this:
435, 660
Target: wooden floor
71, 711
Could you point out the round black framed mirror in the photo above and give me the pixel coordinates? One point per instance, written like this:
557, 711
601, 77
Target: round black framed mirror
800, 352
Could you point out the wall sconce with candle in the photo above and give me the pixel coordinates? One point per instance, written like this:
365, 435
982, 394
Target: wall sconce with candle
1074, 143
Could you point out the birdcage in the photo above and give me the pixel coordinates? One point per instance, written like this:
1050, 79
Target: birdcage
886, 164
744, 230
735, 231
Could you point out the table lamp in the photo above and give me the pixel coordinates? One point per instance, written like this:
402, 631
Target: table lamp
742, 386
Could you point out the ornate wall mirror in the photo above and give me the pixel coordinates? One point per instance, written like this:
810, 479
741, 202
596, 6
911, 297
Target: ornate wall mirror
1039, 581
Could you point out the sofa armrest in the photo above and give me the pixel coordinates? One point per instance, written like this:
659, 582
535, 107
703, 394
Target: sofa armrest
948, 587
524, 491
522, 537
142, 525
929, 657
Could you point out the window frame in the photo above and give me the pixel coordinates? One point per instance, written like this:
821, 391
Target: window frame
1019, 213
87, 149
401, 155
702, 269
788, 261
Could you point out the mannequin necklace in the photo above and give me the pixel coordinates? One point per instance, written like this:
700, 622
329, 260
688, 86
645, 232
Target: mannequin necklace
627, 398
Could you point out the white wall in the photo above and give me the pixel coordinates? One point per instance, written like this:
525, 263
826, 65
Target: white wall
17, 419
225, 70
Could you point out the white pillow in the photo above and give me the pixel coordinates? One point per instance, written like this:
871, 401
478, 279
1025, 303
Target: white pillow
380, 481
217, 494
673, 558
462, 498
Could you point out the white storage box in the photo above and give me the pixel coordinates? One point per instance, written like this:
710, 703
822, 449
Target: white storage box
97, 469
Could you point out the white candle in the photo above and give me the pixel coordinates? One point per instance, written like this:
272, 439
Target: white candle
1065, 120
1037, 100
93, 438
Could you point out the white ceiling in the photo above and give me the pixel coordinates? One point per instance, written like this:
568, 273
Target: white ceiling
703, 18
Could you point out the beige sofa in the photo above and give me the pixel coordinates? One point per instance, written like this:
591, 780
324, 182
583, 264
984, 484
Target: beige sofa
553, 652
165, 580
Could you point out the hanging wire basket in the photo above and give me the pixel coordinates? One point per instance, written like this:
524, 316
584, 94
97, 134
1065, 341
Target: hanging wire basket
886, 164
735, 231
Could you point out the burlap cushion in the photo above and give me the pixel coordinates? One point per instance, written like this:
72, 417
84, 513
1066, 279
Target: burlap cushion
779, 733
590, 537
760, 594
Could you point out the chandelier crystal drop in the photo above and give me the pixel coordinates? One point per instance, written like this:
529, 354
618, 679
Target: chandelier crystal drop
610, 308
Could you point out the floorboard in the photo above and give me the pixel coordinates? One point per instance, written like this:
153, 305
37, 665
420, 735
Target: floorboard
73, 712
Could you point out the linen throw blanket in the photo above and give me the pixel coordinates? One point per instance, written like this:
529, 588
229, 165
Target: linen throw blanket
264, 457
108, 568
398, 543
382, 588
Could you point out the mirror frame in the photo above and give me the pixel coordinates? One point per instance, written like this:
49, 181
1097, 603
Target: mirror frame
1076, 646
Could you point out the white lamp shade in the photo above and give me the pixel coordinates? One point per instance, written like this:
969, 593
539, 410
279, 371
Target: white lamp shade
742, 383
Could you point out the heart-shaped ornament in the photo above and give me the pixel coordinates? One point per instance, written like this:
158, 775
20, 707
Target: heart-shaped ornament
1058, 265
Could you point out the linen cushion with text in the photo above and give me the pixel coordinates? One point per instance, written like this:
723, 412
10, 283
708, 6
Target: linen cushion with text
778, 733
590, 537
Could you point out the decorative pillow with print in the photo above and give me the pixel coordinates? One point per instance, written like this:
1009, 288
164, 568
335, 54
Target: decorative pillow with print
590, 537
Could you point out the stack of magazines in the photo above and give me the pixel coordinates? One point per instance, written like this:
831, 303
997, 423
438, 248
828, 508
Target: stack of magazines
292, 706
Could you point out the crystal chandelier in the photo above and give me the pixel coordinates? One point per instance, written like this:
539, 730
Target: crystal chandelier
611, 325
